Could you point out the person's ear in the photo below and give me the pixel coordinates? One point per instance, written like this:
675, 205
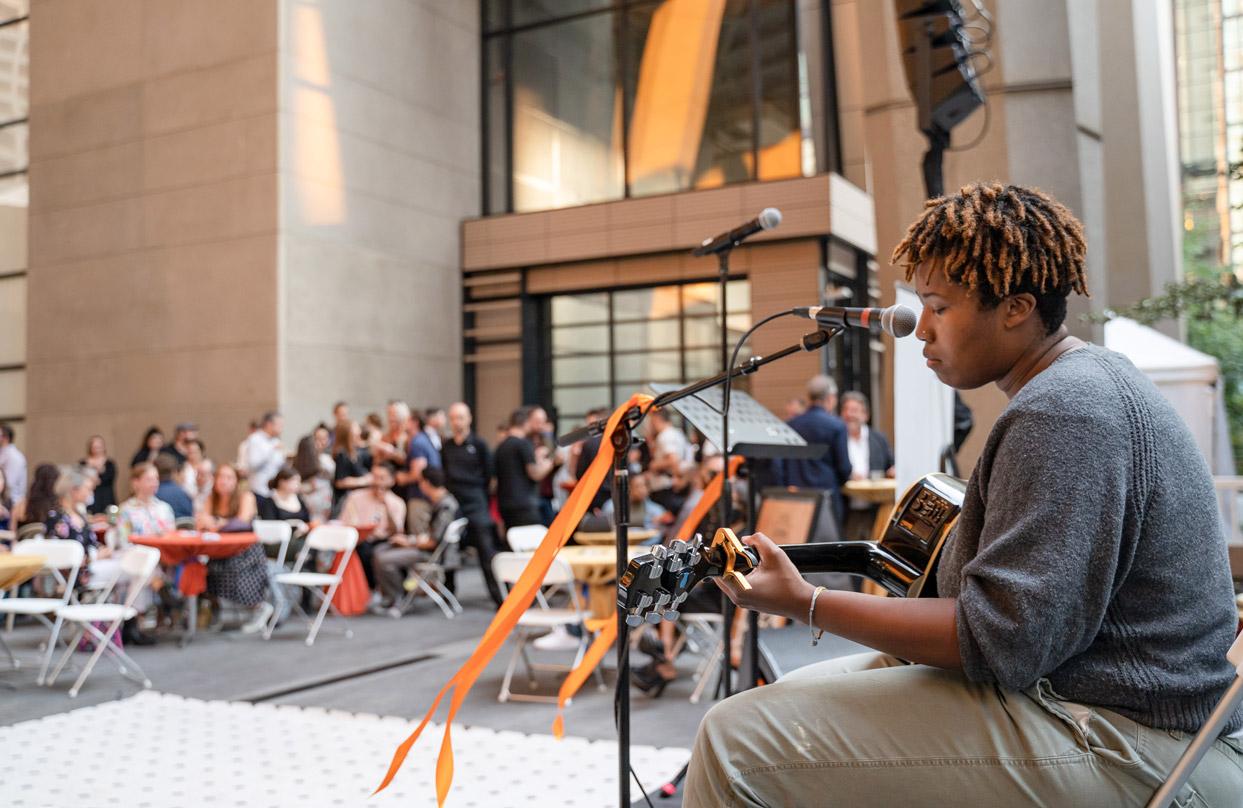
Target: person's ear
1018, 309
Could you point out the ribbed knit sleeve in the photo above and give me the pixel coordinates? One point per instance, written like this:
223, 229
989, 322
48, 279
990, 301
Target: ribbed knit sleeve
1052, 543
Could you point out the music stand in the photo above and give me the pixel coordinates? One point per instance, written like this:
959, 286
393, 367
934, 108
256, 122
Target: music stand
788, 515
755, 433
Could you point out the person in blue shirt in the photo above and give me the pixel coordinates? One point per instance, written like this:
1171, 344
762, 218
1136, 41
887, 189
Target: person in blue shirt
421, 454
170, 491
819, 425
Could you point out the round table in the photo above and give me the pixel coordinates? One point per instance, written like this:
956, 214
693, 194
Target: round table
636, 535
185, 546
18, 569
596, 566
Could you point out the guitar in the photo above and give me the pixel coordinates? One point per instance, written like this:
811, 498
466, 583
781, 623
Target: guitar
903, 562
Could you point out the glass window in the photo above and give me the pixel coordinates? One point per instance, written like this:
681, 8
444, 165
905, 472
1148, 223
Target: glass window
566, 133
678, 77
637, 369
527, 12
13, 151
780, 136
580, 339
573, 402
666, 334
647, 335
592, 308
497, 137
14, 67
12, 324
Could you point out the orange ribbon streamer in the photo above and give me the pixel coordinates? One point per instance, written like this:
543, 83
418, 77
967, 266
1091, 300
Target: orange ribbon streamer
517, 602
608, 633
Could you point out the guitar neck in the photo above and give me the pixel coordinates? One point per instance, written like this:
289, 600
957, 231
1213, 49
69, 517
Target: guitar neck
851, 557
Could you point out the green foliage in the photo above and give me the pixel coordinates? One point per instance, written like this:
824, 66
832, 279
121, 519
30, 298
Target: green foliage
1212, 301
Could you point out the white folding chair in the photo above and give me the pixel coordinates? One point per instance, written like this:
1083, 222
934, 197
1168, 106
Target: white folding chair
507, 568
1203, 741
275, 532
27, 532
429, 575
138, 563
525, 538
701, 633
329, 538
59, 555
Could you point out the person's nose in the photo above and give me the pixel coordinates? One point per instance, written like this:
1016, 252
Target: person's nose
923, 328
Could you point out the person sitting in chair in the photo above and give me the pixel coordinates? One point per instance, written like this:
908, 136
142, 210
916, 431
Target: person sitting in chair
393, 559
1085, 605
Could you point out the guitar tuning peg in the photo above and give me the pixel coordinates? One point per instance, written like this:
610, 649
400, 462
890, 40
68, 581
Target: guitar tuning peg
674, 564
634, 620
678, 546
653, 617
672, 614
653, 571
660, 552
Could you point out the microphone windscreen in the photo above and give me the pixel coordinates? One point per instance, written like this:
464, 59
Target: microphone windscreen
902, 321
770, 218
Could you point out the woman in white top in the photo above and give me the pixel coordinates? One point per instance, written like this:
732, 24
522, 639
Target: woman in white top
142, 514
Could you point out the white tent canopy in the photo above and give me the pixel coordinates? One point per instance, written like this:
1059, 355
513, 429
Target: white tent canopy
1185, 376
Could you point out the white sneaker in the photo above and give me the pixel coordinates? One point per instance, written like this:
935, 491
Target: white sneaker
556, 640
262, 614
395, 613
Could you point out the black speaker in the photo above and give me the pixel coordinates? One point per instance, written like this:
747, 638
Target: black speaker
955, 89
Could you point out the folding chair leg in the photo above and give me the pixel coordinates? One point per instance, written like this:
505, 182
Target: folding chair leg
712, 662
73, 644
526, 661
100, 647
504, 695
434, 595
319, 616
14, 662
51, 645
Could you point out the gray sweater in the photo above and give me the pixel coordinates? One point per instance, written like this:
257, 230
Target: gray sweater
1090, 552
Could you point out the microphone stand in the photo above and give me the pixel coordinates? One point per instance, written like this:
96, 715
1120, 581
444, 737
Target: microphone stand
622, 440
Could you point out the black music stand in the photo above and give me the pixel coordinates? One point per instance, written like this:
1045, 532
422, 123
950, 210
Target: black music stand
755, 433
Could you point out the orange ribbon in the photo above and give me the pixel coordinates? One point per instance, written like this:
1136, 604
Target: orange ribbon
608, 632
517, 602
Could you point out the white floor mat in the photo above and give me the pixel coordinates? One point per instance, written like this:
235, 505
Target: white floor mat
155, 750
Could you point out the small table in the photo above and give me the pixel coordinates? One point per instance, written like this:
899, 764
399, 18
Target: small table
184, 547
18, 569
596, 566
636, 535
882, 493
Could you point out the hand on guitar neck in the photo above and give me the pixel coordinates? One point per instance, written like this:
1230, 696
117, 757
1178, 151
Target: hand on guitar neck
776, 587
758, 574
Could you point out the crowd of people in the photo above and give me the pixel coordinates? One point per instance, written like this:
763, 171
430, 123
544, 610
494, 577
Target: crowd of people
405, 477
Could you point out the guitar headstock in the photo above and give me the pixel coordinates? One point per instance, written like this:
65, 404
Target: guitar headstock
655, 585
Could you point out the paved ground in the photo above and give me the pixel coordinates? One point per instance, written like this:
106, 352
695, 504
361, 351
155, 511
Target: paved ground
389, 667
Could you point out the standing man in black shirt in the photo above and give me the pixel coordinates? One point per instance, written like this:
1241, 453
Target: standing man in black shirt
468, 471
520, 466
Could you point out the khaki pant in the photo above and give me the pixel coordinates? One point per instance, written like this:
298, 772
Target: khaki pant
868, 730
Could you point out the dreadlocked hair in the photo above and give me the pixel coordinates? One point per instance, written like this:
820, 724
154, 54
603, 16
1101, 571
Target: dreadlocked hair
1001, 240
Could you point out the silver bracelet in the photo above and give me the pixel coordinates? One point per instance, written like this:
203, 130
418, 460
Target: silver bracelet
816, 634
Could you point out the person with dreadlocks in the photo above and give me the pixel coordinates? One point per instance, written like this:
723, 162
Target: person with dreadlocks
1085, 604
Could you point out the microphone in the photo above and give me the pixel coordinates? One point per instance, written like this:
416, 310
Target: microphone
767, 220
896, 321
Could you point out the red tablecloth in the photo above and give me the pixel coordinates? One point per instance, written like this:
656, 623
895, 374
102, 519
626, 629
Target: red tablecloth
352, 593
185, 546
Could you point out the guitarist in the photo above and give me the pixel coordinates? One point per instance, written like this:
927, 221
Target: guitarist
1086, 605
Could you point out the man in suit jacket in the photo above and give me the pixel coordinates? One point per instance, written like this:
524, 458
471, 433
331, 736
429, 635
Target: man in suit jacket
870, 455
819, 425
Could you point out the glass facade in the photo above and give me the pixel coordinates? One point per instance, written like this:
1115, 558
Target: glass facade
1210, 115
14, 193
604, 346
589, 100
14, 100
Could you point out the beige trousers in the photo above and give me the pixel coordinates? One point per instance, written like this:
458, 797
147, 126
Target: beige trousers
868, 730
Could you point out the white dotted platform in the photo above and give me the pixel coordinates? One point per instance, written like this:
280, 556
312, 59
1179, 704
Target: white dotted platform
155, 750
